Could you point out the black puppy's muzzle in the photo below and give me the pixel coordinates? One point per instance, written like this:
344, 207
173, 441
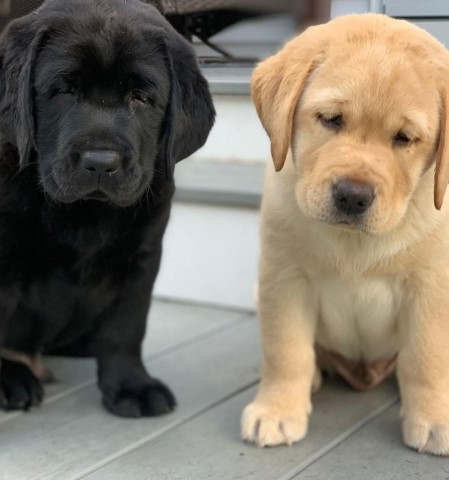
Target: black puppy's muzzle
98, 167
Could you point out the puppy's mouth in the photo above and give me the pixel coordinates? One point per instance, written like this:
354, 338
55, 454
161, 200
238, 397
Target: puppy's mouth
347, 225
352, 224
97, 195
67, 192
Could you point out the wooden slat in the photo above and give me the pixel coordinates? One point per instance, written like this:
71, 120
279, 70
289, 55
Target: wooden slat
63, 439
171, 326
376, 452
209, 447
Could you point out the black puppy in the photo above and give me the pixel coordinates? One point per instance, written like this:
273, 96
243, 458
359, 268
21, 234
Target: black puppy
98, 101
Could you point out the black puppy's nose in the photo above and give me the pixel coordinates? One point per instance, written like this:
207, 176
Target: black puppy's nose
101, 161
352, 197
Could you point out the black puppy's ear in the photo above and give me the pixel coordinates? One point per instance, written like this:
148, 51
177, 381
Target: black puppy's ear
18, 50
190, 114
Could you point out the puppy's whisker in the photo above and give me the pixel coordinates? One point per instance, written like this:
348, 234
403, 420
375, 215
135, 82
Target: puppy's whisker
157, 170
43, 179
27, 165
23, 168
47, 198
152, 194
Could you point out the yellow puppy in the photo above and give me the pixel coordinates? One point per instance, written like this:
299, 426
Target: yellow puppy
354, 270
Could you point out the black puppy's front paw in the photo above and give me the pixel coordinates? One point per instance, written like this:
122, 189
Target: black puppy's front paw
19, 388
139, 399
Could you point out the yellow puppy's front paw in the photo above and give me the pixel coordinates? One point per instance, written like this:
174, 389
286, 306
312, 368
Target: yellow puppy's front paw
267, 426
426, 436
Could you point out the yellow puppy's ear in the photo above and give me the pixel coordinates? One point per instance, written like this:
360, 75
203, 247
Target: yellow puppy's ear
277, 84
442, 164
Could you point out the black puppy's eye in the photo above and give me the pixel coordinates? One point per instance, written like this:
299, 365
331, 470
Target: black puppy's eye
62, 90
401, 139
141, 97
334, 122
67, 91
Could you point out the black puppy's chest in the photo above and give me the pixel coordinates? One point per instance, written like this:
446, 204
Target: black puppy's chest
69, 264
75, 266
64, 286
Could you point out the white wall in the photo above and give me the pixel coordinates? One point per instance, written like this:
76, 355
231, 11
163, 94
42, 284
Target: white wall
210, 256
237, 134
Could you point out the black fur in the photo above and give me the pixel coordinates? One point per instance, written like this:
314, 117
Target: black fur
19, 388
80, 250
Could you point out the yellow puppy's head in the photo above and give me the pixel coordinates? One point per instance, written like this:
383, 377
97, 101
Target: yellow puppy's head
362, 103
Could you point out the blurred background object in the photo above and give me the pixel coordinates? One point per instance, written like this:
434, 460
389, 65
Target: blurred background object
10, 9
5, 7
203, 19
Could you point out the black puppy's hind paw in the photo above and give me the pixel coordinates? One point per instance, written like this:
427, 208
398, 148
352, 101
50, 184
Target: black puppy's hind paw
19, 388
143, 400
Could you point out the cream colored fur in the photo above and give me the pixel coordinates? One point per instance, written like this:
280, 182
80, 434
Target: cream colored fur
368, 291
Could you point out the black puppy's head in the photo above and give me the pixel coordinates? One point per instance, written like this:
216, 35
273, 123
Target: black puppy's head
105, 93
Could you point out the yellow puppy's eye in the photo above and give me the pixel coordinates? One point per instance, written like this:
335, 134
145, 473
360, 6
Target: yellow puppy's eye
334, 122
401, 139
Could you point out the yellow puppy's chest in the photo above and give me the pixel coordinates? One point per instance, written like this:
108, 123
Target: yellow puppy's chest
357, 326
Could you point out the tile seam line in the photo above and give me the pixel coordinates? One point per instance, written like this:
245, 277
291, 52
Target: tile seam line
150, 438
205, 305
163, 353
339, 439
